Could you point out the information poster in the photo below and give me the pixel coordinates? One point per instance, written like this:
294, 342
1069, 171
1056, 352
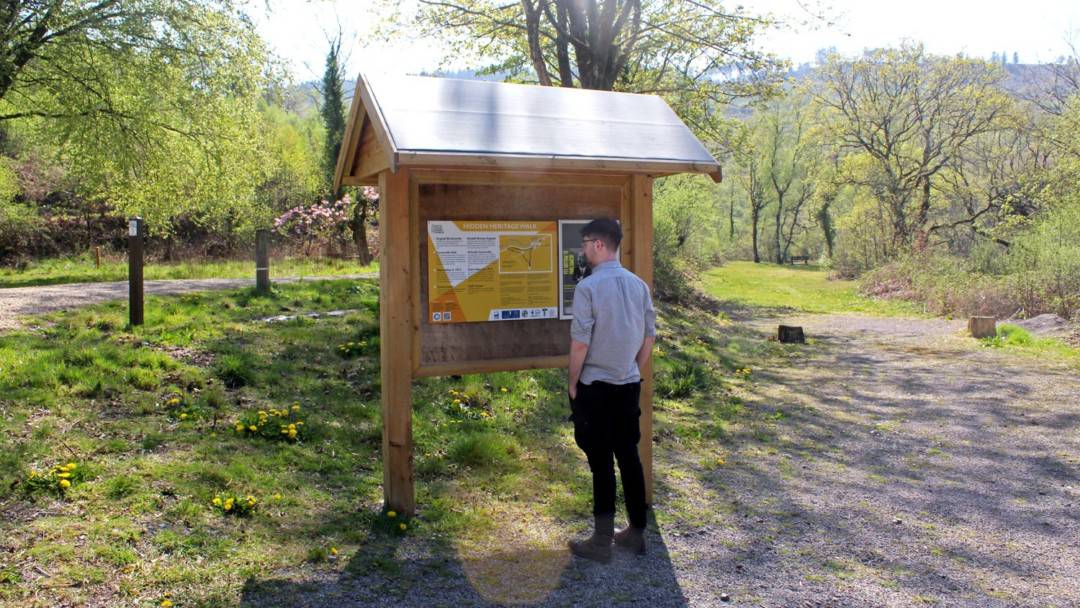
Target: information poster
572, 264
492, 271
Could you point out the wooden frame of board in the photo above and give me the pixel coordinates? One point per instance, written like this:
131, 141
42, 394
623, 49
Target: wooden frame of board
478, 187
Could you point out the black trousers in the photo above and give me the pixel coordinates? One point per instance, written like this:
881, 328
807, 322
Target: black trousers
606, 425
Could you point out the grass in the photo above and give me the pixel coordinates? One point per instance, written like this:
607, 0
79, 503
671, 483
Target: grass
148, 415
1019, 340
82, 269
796, 288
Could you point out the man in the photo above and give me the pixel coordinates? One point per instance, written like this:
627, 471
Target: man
611, 338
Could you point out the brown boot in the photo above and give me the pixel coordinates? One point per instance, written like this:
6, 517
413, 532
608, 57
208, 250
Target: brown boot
632, 539
598, 546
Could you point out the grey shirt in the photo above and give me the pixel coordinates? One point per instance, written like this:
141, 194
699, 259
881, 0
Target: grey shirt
613, 314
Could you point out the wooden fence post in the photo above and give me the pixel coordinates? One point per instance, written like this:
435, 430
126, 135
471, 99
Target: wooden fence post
136, 232
262, 261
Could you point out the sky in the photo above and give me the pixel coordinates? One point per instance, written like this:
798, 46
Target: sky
1037, 30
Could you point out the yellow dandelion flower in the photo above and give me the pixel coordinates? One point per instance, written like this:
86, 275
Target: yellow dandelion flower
183, 416
403, 527
292, 433
33, 474
71, 466
277, 496
166, 603
391, 514
503, 390
262, 413
239, 427
229, 505
252, 428
217, 501
296, 407
457, 401
64, 483
333, 550
64, 475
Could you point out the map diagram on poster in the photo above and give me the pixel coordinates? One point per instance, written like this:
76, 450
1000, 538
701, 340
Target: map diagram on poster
491, 271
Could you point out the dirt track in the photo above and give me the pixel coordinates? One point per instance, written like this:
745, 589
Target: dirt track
19, 301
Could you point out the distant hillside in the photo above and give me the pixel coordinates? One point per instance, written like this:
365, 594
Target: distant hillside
1022, 80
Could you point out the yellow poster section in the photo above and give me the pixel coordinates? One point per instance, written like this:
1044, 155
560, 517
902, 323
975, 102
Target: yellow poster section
519, 283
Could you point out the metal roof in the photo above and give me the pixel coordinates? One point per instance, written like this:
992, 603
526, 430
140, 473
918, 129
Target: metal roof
447, 122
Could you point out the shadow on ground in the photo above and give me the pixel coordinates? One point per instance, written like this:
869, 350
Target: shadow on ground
867, 475
398, 572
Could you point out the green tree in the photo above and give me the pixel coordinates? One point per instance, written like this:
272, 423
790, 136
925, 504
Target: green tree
750, 176
911, 115
333, 110
787, 164
151, 104
696, 53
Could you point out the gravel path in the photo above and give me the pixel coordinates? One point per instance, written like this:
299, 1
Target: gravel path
19, 301
907, 467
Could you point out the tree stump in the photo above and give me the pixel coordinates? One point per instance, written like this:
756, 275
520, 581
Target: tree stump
982, 327
790, 334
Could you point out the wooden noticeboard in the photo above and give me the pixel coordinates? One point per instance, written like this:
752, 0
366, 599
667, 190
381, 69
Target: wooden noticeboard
448, 150
475, 347
413, 345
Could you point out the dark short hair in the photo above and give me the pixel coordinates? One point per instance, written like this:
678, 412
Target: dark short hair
605, 229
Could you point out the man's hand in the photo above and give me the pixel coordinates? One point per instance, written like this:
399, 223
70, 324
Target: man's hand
645, 351
578, 350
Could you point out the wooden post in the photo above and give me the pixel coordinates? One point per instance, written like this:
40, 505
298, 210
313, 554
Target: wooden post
262, 261
982, 327
136, 231
97, 256
790, 334
641, 242
396, 339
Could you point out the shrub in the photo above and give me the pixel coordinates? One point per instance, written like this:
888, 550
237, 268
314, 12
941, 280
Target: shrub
470, 404
681, 379
230, 504
321, 221
1009, 335
235, 369
947, 285
120, 487
57, 480
284, 424
483, 449
19, 230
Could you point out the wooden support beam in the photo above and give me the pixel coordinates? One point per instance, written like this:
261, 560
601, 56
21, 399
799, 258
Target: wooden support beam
396, 340
495, 365
641, 241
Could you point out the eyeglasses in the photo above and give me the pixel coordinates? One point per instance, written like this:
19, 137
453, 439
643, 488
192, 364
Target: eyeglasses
583, 241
